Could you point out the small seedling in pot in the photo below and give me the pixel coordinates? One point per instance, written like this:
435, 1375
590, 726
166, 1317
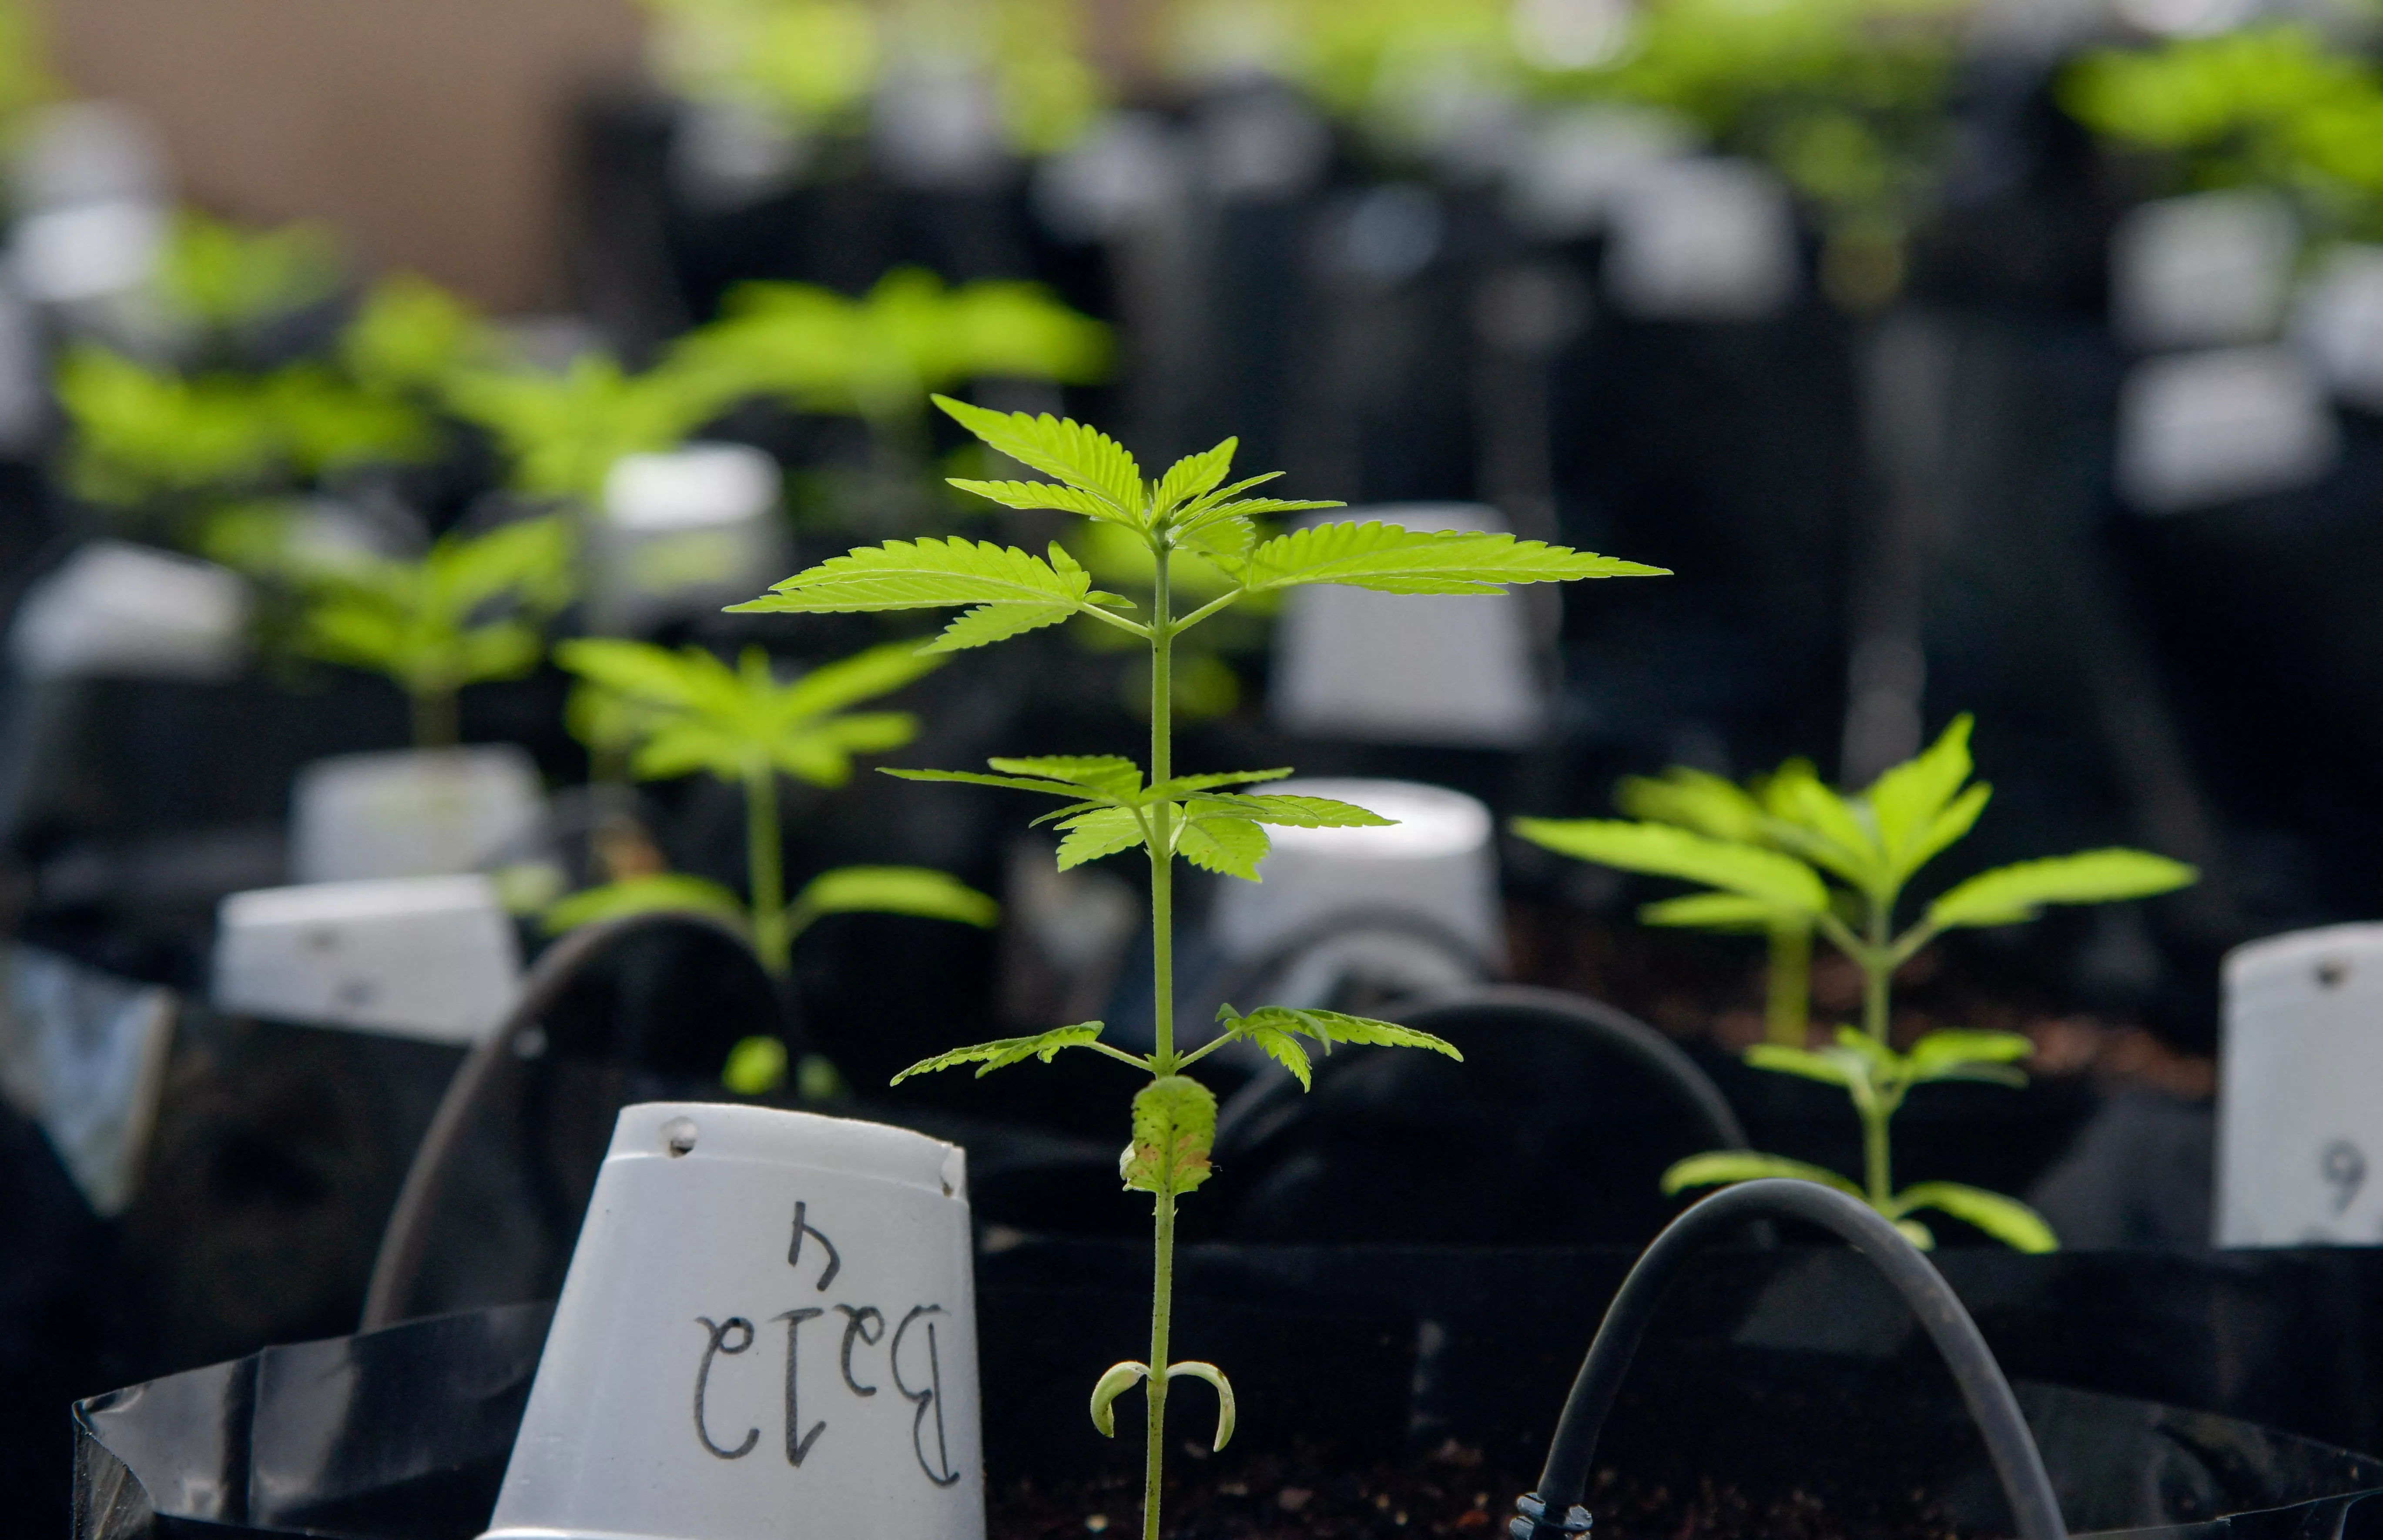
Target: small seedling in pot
1109, 805
1873, 844
561, 432
473, 608
684, 712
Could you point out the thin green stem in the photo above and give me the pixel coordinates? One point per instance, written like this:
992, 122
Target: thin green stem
771, 940
1162, 1056
1878, 1173
1162, 1300
1120, 1056
1131, 628
434, 716
1876, 962
1188, 621
1788, 985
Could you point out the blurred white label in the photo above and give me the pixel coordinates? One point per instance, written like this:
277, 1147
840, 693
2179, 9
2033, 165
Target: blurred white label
1123, 173
1450, 669
726, 155
414, 813
428, 956
1575, 164
88, 251
2299, 1131
113, 610
2194, 272
2209, 427
685, 533
2339, 323
87, 153
1705, 240
1262, 145
1436, 862
938, 129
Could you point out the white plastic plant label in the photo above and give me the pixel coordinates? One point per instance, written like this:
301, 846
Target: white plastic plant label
1444, 668
685, 533
113, 610
2300, 1129
2208, 428
769, 1328
2339, 323
423, 812
1437, 863
1702, 240
431, 957
2202, 271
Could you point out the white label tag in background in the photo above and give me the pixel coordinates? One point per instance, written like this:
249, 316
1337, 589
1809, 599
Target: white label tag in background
2339, 323
2209, 427
685, 533
431, 957
769, 1328
417, 812
2213, 268
114, 610
2299, 1126
1705, 240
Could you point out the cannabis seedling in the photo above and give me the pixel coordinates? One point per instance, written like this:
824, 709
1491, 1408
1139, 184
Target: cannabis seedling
470, 609
687, 711
1874, 844
1110, 805
1709, 805
561, 433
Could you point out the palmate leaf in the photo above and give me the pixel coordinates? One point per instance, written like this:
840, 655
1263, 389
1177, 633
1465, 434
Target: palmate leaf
1193, 476
1781, 882
1005, 1052
1292, 811
1956, 1054
975, 778
1721, 1168
2009, 894
848, 681
1395, 560
1217, 843
2006, 1219
1918, 806
669, 890
1825, 829
1835, 1067
921, 893
1056, 495
1005, 590
1174, 1128
641, 671
1085, 457
1107, 774
1277, 1028
1103, 832
1183, 784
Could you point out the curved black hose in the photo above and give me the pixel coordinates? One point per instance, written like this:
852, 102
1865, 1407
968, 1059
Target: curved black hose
485, 1073
1554, 1510
1649, 1049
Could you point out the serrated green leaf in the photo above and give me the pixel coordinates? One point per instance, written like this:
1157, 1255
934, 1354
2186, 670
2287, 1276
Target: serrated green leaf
1005, 1052
2009, 894
1174, 1128
1052, 495
1294, 810
1824, 827
1727, 912
1828, 1066
1658, 850
2006, 1219
686, 745
1192, 476
1082, 456
867, 732
974, 778
926, 574
1092, 835
1109, 774
1183, 784
1721, 1168
1232, 846
639, 895
988, 623
1948, 827
1331, 1026
1278, 1044
921, 893
1395, 560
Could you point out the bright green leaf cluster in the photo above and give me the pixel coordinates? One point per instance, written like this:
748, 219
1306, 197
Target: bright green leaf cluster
1277, 1029
562, 432
879, 356
222, 278
473, 608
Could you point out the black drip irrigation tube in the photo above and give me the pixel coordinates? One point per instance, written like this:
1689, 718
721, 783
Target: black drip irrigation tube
1553, 1512
487, 1073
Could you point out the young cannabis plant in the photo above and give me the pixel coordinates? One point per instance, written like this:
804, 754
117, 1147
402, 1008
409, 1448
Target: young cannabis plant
1873, 844
1722, 809
562, 432
470, 609
687, 711
1109, 805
